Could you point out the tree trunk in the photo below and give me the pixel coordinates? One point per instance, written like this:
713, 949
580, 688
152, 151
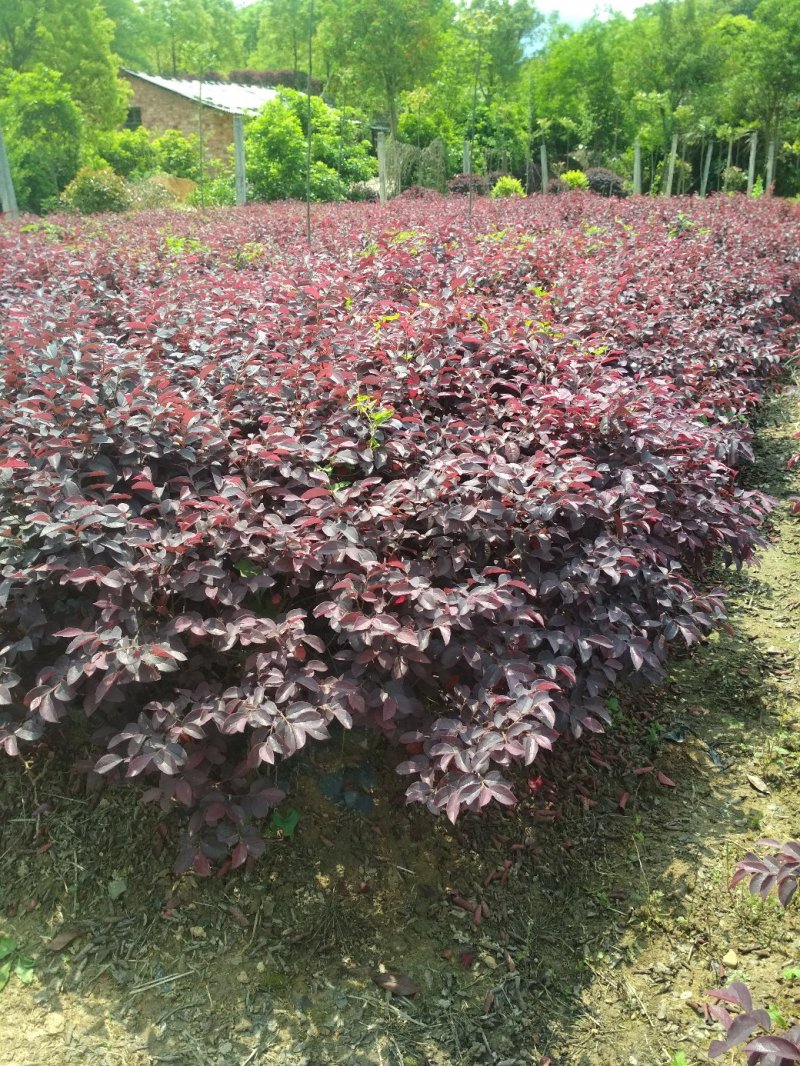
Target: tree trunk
682, 178
391, 103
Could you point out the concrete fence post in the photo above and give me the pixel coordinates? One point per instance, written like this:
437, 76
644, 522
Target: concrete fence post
543, 158
671, 168
637, 168
238, 159
751, 166
770, 164
706, 168
382, 165
8, 199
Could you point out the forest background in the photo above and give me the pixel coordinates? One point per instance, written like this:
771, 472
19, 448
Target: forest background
496, 74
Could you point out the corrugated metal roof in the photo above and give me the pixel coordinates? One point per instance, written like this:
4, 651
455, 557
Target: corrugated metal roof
236, 99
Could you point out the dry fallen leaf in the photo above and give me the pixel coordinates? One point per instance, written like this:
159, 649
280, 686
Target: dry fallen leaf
63, 939
399, 984
758, 784
238, 916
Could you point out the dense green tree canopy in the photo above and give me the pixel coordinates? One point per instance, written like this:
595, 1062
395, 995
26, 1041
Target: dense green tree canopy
276, 150
389, 46
282, 38
73, 37
42, 128
190, 36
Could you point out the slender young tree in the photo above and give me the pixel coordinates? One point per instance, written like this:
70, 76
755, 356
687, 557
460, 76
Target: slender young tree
308, 118
473, 119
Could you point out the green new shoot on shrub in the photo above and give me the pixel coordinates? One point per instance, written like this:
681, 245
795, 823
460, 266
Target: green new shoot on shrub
507, 186
575, 179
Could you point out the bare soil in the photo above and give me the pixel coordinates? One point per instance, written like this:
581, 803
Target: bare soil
613, 921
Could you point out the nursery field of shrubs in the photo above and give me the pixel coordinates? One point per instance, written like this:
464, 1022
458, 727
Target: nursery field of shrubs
449, 480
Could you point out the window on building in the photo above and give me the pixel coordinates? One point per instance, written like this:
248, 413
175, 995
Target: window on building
134, 119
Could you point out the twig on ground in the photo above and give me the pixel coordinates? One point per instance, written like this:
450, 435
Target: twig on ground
160, 981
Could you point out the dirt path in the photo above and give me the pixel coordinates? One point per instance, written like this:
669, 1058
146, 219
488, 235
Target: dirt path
612, 924
740, 696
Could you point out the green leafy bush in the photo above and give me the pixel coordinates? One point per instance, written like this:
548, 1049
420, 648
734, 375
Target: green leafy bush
337, 138
507, 186
416, 129
177, 154
214, 192
276, 150
95, 191
128, 153
683, 177
501, 139
42, 127
149, 195
734, 179
326, 183
136, 154
575, 179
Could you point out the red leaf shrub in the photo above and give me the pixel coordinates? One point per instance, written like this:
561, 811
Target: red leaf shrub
766, 1048
605, 182
460, 184
556, 186
777, 871
449, 481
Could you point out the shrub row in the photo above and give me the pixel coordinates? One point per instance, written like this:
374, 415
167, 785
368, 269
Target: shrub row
597, 179
449, 481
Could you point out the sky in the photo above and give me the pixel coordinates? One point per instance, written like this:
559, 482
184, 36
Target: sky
576, 11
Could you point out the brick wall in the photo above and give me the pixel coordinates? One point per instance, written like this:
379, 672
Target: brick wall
165, 110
